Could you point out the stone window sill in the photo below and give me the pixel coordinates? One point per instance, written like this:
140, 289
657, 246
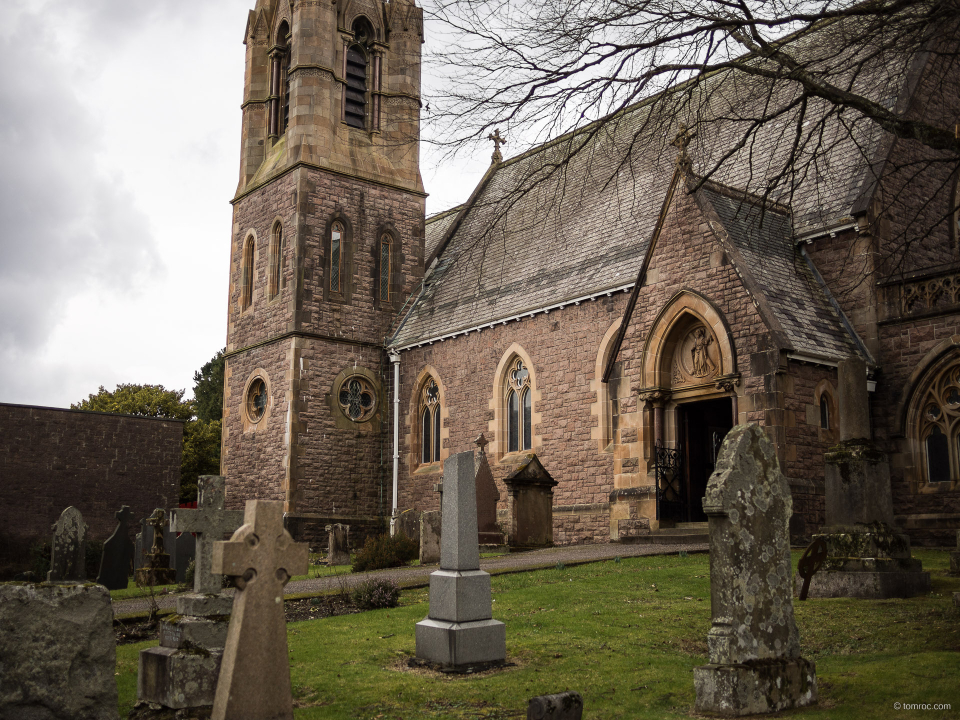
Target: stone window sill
434, 468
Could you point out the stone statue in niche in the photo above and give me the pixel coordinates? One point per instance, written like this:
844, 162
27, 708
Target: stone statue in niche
701, 360
697, 357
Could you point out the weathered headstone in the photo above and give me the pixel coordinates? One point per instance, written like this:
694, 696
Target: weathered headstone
529, 504
430, 533
867, 555
115, 563
156, 569
337, 551
175, 674
487, 497
58, 655
755, 664
408, 523
69, 548
460, 632
255, 674
562, 706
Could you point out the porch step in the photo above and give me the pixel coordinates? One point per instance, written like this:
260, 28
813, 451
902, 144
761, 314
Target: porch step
699, 526
661, 538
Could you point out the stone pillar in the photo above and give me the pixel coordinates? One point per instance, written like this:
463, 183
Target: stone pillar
460, 633
867, 555
755, 664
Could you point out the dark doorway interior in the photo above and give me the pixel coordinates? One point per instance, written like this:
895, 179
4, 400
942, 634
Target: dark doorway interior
703, 426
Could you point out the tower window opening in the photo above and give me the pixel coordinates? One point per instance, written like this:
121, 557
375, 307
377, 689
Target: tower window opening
385, 268
336, 257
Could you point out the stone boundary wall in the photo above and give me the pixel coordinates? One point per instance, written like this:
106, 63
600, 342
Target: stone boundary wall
51, 458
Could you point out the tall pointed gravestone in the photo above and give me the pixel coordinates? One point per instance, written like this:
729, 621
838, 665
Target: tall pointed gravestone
254, 679
115, 563
755, 664
460, 633
867, 555
182, 672
69, 549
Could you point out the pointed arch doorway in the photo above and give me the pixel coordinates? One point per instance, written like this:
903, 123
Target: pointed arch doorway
701, 427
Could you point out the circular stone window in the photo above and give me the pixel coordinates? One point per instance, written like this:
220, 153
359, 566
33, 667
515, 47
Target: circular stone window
256, 400
357, 398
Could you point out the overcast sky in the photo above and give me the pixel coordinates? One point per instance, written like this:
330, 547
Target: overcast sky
120, 136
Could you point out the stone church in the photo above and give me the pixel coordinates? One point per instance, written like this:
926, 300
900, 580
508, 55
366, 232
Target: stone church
367, 343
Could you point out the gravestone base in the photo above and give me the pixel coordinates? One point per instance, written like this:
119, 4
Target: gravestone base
761, 686
178, 678
870, 561
459, 646
157, 571
182, 672
867, 585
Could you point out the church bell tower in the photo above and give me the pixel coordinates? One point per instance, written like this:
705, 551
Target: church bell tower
326, 246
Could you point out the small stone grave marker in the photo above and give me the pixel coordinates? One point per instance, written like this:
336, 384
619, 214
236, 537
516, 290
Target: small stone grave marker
430, 533
562, 706
69, 548
115, 563
156, 570
254, 679
337, 551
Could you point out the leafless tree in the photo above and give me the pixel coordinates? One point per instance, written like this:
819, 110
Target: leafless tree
771, 90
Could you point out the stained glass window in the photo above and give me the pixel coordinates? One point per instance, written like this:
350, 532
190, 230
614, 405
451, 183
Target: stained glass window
256, 400
357, 398
519, 409
276, 260
246, 280
938, 424
430, 422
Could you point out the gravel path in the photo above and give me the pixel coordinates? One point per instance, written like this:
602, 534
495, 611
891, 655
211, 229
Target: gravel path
418, 576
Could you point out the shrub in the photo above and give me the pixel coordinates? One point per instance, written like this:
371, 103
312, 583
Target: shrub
376, 594
385, 552
40, 558
94, 553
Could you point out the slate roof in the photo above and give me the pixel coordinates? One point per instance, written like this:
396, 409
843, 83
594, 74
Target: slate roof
572, 218
764, 239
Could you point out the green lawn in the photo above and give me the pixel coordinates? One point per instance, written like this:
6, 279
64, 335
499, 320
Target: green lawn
626, 635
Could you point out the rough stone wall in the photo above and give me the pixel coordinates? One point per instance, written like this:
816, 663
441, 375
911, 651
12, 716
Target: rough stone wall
563, 348
305, 451
52, 458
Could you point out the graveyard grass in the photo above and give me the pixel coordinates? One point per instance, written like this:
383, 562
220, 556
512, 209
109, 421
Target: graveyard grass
627, 636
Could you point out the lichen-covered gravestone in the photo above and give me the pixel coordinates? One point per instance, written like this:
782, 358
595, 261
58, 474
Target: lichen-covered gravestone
182, 672
69, 548
460, 631
430, 534
117, 554
58, 653
254, 679
755, 664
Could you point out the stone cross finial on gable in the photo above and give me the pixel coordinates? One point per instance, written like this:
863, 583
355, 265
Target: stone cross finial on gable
255, 671
498, 140
211, 522
682, 141
482, 443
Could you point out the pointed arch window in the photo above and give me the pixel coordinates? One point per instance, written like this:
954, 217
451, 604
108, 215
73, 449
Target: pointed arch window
939, 426
336, 258
430, 422
246, 275
276, 260
519, 403
384, 279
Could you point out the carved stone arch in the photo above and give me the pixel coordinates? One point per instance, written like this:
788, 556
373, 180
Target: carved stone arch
903, 419
367, 10
498, 425
283, 15
689, 345
414, 437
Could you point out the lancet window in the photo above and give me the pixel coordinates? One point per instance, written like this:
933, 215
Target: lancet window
336, 258
430, 422
939, 431
276, 260
246, 275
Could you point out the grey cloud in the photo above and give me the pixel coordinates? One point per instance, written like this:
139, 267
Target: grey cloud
65, 227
